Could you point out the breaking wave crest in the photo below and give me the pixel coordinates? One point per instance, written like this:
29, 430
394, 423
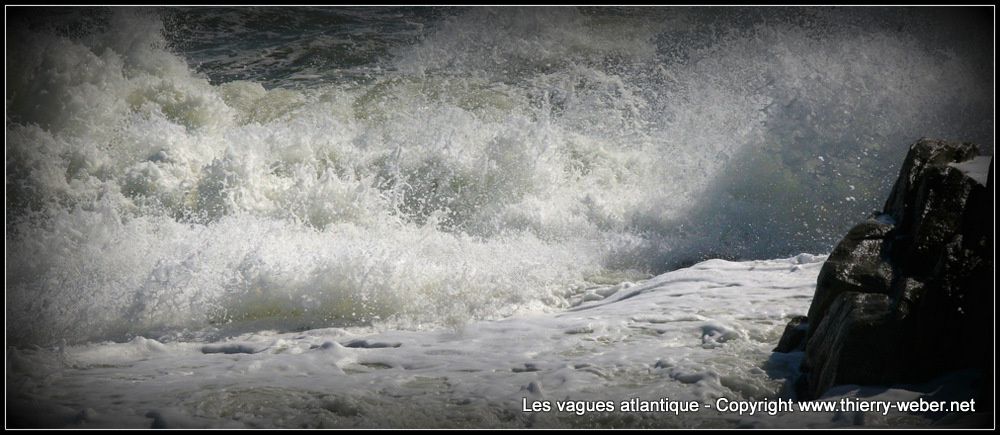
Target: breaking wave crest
175, 171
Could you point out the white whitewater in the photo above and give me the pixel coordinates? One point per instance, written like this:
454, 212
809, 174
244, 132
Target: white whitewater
484, 163
676, 336
204, 207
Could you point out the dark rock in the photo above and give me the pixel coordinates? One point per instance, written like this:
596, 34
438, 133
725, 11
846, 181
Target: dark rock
908, 294
849, 345
793, 339
941, 197
923, 155
859, 263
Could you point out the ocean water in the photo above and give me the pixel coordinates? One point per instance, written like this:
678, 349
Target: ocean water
236, 195
192, 174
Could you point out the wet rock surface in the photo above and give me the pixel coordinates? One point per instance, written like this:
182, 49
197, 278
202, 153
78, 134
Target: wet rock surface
908, 294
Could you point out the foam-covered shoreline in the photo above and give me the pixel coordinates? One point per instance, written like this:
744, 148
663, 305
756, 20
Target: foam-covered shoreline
696, 334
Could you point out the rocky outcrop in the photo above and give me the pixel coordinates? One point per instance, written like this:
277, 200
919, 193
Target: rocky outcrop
794, 336
908, 293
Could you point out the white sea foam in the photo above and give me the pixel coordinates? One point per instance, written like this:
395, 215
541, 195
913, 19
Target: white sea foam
493, 162
676, 336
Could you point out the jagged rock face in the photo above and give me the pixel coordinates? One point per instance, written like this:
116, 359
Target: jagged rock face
852, 342
794, 337
924, 155
908, 294
858, 263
